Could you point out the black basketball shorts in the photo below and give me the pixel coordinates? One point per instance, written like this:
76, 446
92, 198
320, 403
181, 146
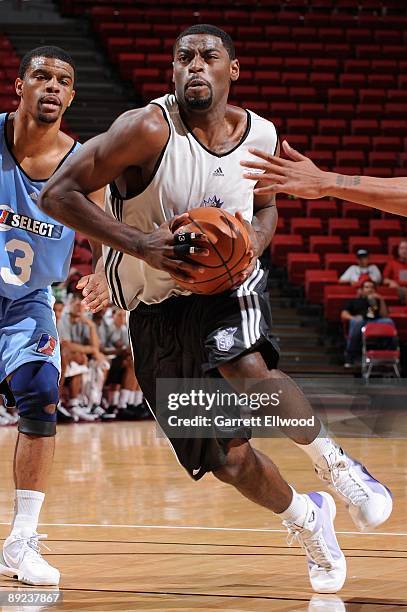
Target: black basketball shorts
189, 337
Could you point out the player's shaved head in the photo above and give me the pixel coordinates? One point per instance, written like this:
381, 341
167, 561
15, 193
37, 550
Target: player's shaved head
207, 28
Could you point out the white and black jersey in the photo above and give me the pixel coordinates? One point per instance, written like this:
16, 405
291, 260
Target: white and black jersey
188, 175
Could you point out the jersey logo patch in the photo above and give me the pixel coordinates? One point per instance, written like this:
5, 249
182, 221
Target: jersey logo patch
218, 172
10, 219
212, 201
46, 345
225, 339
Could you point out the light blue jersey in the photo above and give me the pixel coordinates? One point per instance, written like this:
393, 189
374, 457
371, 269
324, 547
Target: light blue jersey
35, 250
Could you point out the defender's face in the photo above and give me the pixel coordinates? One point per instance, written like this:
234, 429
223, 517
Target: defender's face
202, 71
47, 88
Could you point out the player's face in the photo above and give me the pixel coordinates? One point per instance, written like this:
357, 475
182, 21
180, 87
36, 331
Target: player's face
47, 88
202, 71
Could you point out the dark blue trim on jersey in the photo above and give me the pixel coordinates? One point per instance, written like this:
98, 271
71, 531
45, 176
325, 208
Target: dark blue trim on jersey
9, 148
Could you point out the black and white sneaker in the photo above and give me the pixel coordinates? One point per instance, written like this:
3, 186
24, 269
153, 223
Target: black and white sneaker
63, 415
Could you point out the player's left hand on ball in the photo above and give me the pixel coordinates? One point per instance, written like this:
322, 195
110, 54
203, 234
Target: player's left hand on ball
95, 291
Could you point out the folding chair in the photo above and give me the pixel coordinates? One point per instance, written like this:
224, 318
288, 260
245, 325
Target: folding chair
376, 338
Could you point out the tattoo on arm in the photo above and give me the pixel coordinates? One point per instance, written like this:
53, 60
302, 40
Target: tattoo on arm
347, 181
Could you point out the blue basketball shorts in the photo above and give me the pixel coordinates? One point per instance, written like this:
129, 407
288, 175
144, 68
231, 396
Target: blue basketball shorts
28, 331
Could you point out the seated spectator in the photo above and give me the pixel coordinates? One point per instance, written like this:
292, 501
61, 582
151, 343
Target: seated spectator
395, 272
361, 271
366, 307
125, 396
80, 356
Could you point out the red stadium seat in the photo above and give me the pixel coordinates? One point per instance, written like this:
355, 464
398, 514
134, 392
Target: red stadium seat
356, 142
379, 260
306, 226
384, 228
335, 298
325, 244
399, 316
386, 143
343, 95
372, 96
341, 111
288, 208
311, 110
282, 244
343, 228
365, 127
371, 243
322, 143
339, 261
369, 111
322, 158
350, 158
323, 209
315, 281
382, 158
298, 263
300, 126
350, 209
353, 79
331, 127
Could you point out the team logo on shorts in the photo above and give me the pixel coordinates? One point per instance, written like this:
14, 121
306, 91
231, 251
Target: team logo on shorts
225, 339
46, 345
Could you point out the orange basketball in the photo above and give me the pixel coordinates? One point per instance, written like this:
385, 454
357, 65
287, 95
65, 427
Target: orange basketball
228, 245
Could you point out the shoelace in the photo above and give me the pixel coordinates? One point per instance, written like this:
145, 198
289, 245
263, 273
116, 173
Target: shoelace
349, 487
33, 542
314, 546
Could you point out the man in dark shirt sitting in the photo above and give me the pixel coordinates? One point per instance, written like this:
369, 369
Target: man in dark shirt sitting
366, 307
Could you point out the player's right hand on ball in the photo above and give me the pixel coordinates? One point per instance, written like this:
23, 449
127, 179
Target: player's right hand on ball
162, 250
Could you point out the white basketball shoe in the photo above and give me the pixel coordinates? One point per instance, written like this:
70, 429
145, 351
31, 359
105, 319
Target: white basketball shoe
21, 559
316, 535
368, 501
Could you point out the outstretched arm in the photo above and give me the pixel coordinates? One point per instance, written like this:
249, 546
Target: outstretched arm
136, 138
299, 176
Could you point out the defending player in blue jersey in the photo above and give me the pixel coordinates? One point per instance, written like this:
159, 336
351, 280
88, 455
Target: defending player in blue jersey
35, 251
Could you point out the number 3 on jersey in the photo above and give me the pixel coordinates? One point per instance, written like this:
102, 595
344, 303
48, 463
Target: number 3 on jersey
24, 263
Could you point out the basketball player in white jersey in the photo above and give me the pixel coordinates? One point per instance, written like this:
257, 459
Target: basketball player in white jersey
179, 152
299, 176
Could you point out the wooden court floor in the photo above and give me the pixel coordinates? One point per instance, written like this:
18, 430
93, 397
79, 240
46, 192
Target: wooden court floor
130, 531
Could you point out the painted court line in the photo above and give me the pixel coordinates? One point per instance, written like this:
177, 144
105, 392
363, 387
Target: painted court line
202, 528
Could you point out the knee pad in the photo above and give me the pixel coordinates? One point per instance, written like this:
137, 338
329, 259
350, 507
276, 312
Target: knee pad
34, 386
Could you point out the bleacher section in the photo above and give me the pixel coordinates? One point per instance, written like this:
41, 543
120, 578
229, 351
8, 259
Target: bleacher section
330, 74
9, 63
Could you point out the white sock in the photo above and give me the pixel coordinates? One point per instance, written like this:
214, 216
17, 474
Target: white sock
27, 508
73, 402
322, 445
138, 397
114, 398
297, 510
124, 398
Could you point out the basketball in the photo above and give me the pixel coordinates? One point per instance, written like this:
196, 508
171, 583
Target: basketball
228, 245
